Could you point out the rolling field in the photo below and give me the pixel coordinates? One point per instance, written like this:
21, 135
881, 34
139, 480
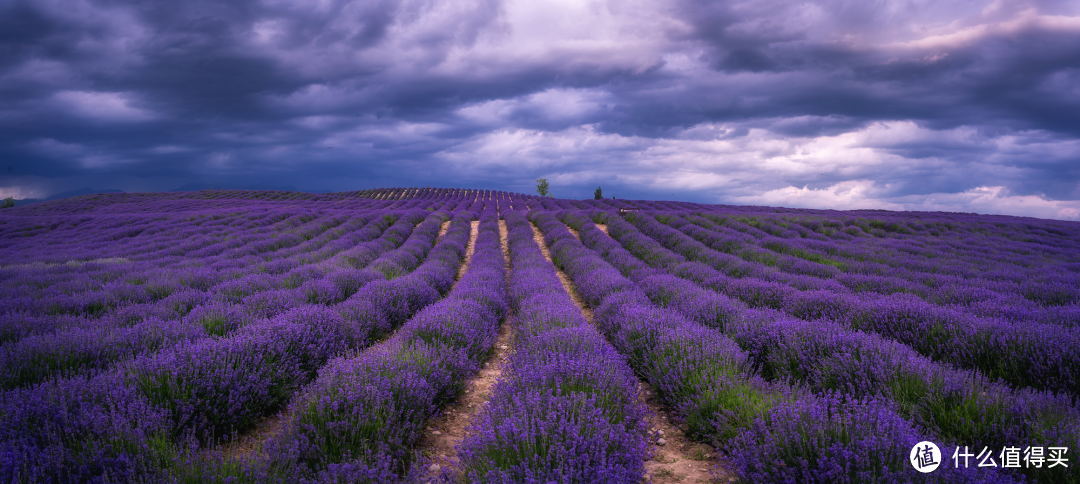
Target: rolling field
446, 335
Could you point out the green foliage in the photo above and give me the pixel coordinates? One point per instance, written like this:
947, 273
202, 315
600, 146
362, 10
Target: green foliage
10, 202
542, 187
598, 194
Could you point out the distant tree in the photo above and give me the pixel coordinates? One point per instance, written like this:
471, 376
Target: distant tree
8, 202
542, 187
598, 194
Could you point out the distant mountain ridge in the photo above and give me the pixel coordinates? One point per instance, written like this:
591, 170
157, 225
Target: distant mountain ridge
190, 187
72, 193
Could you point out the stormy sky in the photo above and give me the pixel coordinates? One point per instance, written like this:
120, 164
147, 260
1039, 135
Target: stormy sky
970, 106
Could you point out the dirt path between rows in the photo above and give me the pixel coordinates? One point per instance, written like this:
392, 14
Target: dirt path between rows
250, 444
443, 433
676, 459
567, 284
469, 249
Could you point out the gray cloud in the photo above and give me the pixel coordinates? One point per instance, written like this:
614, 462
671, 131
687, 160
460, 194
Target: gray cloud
798, 103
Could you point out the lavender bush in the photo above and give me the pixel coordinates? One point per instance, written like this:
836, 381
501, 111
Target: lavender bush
139, 331
565, 409
359, 419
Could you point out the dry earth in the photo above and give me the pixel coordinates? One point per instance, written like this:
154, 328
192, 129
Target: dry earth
469, 249
567, 284
443, 433
675, 457
250, 445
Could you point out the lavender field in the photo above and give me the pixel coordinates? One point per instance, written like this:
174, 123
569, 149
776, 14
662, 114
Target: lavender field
261, 336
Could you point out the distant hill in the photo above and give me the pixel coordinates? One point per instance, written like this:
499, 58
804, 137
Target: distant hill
72, 193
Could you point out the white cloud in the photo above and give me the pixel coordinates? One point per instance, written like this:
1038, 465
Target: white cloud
995, 200
846, 195
953, 37
642, 92
551, 104
861, 168
862, 194
102, 106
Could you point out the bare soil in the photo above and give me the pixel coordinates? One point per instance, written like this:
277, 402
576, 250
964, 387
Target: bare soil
469, 250
443, 433
567, 284
679, 459
250, 445
676, 459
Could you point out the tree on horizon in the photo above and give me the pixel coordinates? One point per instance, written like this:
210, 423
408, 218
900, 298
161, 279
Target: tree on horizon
542, 187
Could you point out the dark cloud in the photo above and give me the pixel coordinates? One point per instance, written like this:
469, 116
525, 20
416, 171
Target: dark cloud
827, 103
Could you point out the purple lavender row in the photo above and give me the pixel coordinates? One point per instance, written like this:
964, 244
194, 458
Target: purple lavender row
122, 425
340, 278
255, 232
132, 235
216, 199
359, 420
152, 283
72, 353
375, 309
821, 258
61, 239
89, 281
223, 404
302, 245
764, 231
769, 431
957, 406
676, 246
1012, 266
910, 224
89, 349
962, 232
297, 274
386, 304
1016, 296
993, 324
795, 255
1037, 356
203, 391
566, 408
